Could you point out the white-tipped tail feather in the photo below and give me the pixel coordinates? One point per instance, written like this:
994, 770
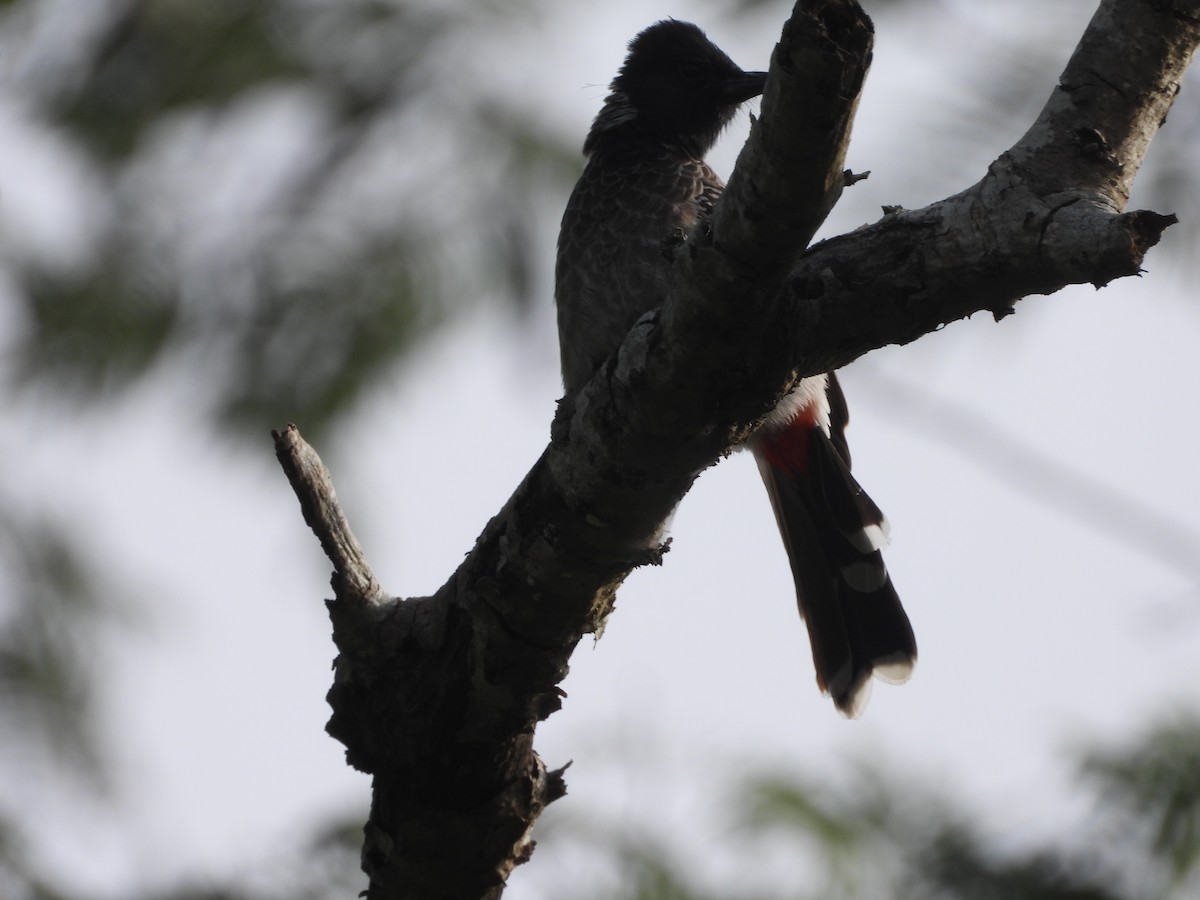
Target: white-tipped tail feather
833, 533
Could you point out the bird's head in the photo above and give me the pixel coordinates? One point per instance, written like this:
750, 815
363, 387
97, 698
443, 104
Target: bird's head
676, 87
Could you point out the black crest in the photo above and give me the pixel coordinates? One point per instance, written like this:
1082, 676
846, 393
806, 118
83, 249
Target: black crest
676, 87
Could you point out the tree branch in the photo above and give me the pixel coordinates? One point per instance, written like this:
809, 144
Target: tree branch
438, 697
1048, 213
353, 579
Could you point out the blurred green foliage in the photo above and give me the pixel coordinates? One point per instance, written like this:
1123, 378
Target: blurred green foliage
56, 599
270, 201
1157, 785
284, 195
871, 835
153, 57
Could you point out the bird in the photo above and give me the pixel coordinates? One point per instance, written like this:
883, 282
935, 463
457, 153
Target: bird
644, 187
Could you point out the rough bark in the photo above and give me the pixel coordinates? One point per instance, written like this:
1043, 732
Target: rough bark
438, 697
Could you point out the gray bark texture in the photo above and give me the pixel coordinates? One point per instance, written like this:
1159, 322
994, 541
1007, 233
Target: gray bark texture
438, 697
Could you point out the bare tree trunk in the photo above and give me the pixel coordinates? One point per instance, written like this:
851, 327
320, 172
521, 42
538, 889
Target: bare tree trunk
438, 697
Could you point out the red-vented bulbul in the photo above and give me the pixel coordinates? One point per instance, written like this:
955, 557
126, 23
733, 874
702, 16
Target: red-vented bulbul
646, 185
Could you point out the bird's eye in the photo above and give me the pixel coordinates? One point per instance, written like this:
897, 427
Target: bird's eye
692, 73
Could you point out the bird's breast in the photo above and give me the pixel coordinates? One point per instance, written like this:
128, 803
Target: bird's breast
614, 259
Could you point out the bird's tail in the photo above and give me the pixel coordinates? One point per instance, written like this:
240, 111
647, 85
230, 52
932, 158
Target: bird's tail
833, 533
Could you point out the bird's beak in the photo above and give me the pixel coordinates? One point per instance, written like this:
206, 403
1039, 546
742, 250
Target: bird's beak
744, 87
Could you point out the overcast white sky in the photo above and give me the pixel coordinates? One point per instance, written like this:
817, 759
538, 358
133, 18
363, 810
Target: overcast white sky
1036, 626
